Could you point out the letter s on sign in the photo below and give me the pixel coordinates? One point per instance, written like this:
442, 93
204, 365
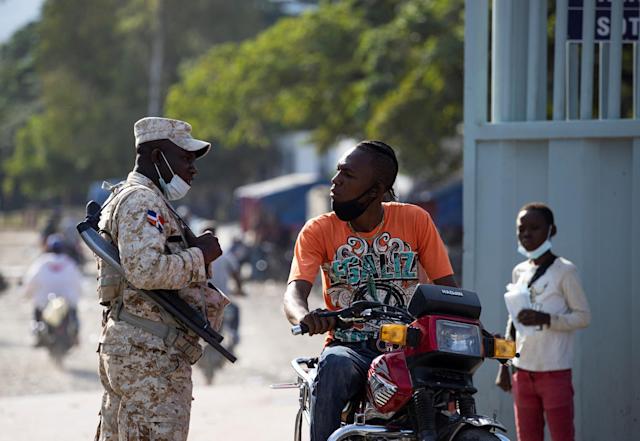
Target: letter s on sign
603, 26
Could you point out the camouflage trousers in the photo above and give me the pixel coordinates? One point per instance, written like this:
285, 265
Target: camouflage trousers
147, 395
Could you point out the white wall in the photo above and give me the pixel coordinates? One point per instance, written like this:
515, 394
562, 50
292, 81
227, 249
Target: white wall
593, 187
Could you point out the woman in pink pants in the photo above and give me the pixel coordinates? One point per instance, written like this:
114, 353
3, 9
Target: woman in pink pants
541, 382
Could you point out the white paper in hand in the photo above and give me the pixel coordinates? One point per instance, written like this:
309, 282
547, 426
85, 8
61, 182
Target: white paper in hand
517, 298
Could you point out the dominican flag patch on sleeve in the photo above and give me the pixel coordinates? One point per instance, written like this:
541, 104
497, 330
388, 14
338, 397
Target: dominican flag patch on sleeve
156, 220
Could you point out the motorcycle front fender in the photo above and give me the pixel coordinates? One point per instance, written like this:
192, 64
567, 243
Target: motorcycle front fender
482, 421
363, 430
479, 421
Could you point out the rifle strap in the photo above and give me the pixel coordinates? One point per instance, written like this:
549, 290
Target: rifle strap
171, 335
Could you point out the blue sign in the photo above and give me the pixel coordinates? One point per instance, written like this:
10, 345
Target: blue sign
630, 23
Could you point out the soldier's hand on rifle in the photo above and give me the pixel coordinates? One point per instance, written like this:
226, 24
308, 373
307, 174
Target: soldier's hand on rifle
209, 245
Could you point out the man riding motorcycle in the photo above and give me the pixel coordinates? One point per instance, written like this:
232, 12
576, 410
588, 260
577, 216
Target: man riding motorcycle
53, 274
368, 250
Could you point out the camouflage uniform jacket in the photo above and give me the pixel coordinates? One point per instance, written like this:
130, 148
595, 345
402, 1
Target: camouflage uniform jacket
154, 255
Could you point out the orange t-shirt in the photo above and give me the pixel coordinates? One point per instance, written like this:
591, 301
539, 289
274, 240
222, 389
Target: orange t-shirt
382, 266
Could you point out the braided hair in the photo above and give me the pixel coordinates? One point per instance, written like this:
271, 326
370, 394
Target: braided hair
384, 162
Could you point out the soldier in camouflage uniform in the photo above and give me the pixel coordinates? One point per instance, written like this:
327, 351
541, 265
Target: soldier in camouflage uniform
145, 356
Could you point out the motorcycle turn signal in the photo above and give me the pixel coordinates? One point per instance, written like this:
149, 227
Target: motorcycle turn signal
500, 348
399, 334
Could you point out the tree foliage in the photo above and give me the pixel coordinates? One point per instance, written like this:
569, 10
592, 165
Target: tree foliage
385, 69
19, 89
291, 76
74, 83
91, 63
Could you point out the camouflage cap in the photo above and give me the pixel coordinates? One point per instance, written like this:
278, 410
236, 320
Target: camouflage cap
153, 128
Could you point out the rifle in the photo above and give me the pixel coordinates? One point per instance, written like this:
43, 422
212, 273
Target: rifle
166, 299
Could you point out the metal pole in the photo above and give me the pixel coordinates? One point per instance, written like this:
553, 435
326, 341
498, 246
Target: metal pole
560, 60
501, 60
603, 76
586, 68
636, 80
476, 54
156, 63
573, 80
615, 60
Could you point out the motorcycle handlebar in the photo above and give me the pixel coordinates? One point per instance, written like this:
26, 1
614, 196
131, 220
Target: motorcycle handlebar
355, 311
299, 329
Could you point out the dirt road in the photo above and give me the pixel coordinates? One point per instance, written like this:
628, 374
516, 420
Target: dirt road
40, 401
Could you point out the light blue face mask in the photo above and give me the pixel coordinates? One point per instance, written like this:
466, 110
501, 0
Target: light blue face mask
177, 188
534, 254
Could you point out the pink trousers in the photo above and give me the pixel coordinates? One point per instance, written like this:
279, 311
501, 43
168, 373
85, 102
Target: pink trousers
543, 395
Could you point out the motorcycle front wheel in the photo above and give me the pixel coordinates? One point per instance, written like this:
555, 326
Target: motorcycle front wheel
476, 434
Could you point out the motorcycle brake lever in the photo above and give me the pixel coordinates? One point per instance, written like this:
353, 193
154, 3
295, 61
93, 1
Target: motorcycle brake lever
349, 320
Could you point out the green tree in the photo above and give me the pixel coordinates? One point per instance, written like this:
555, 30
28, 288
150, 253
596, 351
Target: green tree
416, 94
243, 96
387, 69
390, 69
19, 92
92, 62
295, 75
73, 137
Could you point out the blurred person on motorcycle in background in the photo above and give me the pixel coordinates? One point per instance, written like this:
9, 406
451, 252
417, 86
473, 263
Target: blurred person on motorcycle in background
367, 249
54, 273
51, 226
541, 384
220, 272
222, 269
65, 229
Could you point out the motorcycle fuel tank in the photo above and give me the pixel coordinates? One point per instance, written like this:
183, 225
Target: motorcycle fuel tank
389, 384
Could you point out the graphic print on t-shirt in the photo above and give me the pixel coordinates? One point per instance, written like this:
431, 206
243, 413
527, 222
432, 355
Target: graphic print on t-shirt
385, 270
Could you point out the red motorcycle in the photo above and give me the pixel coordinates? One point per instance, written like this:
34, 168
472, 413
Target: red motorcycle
421, 387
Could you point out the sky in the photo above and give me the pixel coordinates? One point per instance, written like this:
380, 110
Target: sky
16, 13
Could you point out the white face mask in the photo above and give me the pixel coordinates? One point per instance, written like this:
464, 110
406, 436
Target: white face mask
534, 254
177, 188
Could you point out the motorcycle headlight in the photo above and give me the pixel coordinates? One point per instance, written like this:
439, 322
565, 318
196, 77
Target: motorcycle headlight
458, 338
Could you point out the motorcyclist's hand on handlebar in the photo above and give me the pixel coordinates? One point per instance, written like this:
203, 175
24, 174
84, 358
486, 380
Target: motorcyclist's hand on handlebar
531, 317
317, 324
209, 246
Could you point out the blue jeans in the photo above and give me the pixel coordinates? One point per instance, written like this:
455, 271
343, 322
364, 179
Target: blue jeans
341, 377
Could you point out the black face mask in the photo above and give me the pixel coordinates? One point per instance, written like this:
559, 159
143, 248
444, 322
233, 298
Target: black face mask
352, 209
